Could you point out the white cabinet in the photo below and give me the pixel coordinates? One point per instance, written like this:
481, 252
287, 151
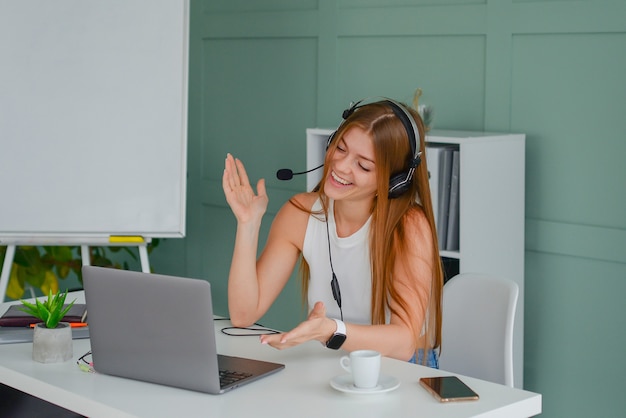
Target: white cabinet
491, 208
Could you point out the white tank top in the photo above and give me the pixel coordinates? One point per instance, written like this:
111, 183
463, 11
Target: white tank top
351, 262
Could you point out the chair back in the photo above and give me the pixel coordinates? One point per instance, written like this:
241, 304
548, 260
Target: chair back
478, 315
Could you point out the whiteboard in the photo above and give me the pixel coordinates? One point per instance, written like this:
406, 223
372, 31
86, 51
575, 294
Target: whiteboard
93, 117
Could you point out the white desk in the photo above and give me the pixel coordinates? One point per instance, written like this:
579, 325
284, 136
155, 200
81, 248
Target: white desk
302, 389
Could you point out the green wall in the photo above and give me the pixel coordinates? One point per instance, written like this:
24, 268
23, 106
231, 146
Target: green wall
261, 72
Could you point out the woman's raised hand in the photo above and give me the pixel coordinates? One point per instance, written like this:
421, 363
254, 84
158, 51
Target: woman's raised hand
245, 204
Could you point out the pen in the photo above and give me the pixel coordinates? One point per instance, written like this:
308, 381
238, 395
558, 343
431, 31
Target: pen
72, 325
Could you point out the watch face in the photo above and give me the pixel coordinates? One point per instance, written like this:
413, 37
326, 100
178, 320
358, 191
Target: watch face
336, 341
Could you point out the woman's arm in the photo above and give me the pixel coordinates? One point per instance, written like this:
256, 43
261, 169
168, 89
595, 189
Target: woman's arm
254, 285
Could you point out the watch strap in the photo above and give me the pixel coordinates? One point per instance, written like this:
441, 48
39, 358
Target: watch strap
341, 327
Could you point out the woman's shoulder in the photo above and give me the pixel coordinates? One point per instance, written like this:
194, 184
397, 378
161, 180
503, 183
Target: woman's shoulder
416, 222
305, 200
415, 213
418, 240
300, 205
292, 218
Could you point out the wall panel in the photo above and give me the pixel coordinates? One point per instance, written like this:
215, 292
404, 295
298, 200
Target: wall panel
241, 112
245, 6
449, 69
561, 87
574, 340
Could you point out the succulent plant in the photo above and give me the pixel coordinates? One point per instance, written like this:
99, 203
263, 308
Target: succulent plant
51, 311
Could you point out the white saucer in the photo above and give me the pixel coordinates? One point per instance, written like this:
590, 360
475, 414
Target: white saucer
343, 383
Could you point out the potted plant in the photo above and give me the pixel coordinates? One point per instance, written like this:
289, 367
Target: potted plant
52, 339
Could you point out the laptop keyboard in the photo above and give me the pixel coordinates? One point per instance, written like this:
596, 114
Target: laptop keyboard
228, 377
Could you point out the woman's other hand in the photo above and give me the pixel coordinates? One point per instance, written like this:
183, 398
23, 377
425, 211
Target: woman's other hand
316, 327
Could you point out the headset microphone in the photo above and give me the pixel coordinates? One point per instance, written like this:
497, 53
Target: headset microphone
287, 174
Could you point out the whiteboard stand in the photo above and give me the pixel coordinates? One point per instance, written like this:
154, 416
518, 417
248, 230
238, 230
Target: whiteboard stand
143, 256
12, 244
6, 270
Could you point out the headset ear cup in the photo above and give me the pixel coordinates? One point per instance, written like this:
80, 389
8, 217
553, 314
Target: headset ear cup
398, 185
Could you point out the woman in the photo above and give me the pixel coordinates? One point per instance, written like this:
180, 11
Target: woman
379, 245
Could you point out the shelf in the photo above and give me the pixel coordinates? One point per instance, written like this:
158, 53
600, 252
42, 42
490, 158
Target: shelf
450, 254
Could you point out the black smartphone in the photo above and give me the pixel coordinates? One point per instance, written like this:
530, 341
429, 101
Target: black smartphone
448, 388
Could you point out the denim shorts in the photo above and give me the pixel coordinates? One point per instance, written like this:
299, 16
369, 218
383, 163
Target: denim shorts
431, 361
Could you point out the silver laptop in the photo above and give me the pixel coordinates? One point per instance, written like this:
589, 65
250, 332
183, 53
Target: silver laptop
160, 329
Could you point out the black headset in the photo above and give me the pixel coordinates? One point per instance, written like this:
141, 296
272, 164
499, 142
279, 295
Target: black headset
398, 183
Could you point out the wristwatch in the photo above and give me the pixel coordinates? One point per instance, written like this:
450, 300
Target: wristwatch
338, 337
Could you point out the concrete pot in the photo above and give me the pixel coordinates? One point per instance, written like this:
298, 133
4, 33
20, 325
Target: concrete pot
52, 345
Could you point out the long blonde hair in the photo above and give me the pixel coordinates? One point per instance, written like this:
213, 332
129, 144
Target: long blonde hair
388, 238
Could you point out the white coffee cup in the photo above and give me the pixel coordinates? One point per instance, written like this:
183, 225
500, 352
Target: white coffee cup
364, 366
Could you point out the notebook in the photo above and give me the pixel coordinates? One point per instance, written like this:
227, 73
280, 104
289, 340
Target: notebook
160, 329
16, 317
